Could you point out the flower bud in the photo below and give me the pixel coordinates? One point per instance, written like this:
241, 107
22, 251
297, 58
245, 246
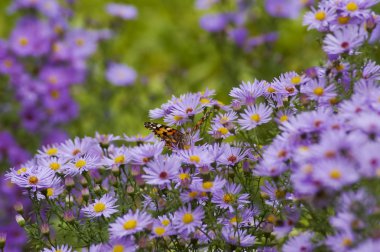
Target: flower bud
20, 220
85, 194
83, 182
45, 230
68, 216
115, 170
19, 207
69, 183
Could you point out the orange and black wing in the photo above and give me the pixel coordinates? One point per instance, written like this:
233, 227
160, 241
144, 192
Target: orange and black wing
171, 136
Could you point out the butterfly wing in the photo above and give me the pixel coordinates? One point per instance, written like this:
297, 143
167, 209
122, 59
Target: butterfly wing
171, 136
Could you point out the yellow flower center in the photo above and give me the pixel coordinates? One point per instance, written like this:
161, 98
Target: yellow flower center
99, 207
283, 118
165, 222
228, 198
347, 242
320, 15
235, 220
131, 224
178, 118
187, 218
193, 194
184, 176
343, 20
296, 80
51, 151
224, 119
271, 218
23, 41
195, 158
79, 42
204, 101
55, 94
119, 159
319, 91
58, 250
255, 117
271, 90
207, 185
7, 63
50, 192
53, 79
335, 174
33, 180
80, 163
21, 171
351, 6
118, 248
54, 166
223, 130
339, 67
159, 230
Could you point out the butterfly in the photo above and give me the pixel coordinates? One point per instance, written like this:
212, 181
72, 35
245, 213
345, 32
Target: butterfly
174, 137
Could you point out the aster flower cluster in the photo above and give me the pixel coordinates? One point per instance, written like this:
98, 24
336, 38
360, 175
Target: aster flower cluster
43, 58
287, 165
346, 25
234, 19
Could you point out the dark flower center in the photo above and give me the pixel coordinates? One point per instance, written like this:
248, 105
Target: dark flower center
163, 175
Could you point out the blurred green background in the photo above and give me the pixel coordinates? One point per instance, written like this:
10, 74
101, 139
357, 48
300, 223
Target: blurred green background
172, 56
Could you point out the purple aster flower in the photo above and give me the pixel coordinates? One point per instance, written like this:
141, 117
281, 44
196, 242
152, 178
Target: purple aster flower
80, 164
105, 139
214, 22
31, 37
49, 8
105, 206
340, 242
283, 8
218, 131
232, 155
230, 197
140, 138
197, 156
10, 65
205, 4
162, 227
59, 248
270, 168
358, 200
162, 170
346, 222
237, 237
369, 159
344, 40
53, 163
130, 223
119, 244
124, 11
248, 92
254, 116
120, 75
208, 185
335, 173
77, 147
319, 91
187, 220
117, 158
320, 18
184, 109
356, 8
35, 178
369, 245
371, 71
144, 153
82, 43
300, 242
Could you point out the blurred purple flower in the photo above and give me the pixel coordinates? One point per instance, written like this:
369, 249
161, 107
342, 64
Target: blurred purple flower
120, 75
